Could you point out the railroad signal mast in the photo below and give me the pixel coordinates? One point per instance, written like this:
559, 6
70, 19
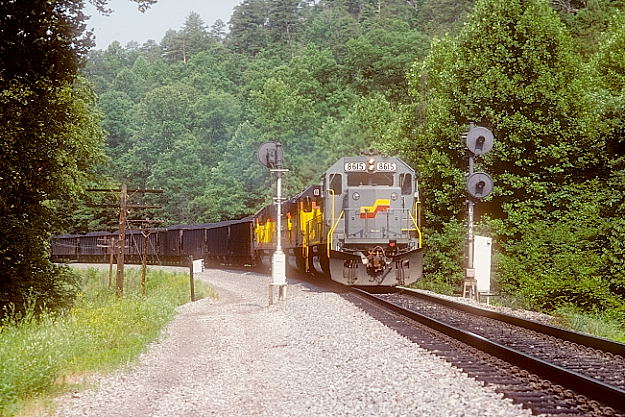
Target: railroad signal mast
479, 140
271, 156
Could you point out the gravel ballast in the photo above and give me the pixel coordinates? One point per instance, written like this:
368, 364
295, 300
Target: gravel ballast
314, 354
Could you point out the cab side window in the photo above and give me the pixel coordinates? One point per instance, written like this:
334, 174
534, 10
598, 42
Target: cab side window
405, 181
336, 183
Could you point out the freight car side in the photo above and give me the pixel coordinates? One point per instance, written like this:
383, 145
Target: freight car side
230, 243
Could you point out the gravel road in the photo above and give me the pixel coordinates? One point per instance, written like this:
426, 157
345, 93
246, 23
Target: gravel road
313, 354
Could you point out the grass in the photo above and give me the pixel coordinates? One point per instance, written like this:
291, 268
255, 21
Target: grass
569, 317
595, 324
45, 354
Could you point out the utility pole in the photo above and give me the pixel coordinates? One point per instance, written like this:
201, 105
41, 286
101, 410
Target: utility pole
191, 278
123, 212
144, 259
144, 226
109, 244
111, 257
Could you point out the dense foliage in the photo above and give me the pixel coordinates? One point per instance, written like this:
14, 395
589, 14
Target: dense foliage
50, 139
188, 114
514, 68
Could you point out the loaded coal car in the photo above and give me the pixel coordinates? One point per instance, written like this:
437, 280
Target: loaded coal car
88, 247
230, 243
360, 225
64, 247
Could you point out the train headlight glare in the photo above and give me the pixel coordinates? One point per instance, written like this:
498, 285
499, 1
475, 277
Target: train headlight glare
355, 196
394, 196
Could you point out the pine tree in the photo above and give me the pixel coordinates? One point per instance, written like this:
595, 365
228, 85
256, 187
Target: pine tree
248, 30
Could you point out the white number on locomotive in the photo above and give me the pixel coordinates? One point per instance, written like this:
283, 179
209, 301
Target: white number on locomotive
386, 166
355, 166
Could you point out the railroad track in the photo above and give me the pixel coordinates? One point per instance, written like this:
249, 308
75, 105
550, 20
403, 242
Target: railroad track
547, 369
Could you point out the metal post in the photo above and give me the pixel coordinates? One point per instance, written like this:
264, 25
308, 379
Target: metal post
279, 259
471, 207
111, 248
144, 260
469, 288
470, 236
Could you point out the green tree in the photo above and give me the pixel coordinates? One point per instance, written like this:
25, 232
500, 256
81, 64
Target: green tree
513, 68
284, 21
377, 62
180, 173
587, 20
248, 30
439, 17
49, 138
238, 185
182, 45
118, 110
331, 28
609, 69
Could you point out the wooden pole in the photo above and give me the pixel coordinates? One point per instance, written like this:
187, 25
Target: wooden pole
144, 260
122, 240
191, 283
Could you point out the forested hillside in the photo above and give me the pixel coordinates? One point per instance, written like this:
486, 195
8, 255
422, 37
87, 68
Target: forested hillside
331, 78
186, 115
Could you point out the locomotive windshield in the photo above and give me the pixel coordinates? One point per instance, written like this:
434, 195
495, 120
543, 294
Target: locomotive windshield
355, 179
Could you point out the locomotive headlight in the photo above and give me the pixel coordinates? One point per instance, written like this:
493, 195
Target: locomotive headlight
393, 196
355, 196
371, 164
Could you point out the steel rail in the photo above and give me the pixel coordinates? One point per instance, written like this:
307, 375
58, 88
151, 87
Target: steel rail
589, 387
568, 335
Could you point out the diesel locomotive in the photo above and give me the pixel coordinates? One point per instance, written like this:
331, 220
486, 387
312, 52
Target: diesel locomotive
360, 225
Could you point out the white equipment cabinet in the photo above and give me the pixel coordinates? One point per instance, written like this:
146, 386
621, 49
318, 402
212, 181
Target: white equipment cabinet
481, 262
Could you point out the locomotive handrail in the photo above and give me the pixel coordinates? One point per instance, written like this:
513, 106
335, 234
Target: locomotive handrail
416, 228
331, 232
331, 192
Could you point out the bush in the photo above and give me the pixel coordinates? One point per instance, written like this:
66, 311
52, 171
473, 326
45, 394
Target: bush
443, 259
